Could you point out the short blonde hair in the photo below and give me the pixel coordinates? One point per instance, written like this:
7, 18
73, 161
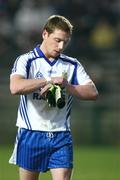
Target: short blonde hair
58, 22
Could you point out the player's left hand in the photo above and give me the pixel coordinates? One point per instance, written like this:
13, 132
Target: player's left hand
61, 81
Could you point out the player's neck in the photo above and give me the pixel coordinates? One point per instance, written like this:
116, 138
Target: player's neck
44, 51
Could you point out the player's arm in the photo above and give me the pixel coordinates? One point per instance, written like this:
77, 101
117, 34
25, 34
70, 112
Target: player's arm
86, 92
20, 85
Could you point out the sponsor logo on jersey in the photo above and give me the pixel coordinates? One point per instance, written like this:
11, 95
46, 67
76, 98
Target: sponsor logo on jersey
36, 96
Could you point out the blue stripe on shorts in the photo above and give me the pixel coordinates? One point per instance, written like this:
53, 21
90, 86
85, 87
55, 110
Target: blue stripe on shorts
41, 151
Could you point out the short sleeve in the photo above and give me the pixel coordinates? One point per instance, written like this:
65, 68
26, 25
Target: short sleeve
82, 77
19, 66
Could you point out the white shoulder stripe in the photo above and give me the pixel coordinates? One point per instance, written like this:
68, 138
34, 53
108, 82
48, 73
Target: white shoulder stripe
36, 53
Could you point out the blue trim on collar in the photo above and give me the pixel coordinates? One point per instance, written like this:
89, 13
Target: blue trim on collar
41, 54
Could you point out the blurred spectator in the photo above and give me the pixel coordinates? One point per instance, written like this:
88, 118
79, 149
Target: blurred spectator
103, 35
28, 22
32, 14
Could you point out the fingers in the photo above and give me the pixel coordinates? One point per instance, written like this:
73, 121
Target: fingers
45, 89
60, 81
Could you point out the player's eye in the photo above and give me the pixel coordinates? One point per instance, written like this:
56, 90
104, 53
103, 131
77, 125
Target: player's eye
57, 40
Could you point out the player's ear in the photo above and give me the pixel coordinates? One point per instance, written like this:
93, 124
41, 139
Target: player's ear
45, 34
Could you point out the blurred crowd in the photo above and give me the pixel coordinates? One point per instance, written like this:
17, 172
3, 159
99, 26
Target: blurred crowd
96, 24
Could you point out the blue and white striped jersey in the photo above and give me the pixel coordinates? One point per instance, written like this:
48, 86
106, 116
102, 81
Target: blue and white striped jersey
34, 112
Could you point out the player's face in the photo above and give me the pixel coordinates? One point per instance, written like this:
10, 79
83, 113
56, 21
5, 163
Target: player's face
55, 43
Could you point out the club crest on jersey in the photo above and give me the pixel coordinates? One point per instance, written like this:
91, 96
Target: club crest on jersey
38, 75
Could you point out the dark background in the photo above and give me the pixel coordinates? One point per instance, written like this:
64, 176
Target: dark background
95, 42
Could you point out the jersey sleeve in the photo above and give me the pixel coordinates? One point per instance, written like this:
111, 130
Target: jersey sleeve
81, 76
19, 67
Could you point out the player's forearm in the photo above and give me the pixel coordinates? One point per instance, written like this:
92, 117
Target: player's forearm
25, 86
86, 92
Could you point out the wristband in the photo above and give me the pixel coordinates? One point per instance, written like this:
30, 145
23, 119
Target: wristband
48, 80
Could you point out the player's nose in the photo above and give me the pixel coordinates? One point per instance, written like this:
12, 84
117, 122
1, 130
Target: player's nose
61, 45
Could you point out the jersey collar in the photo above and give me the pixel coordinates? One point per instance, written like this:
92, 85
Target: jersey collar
41, 54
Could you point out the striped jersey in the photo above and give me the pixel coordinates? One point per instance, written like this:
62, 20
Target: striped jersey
34, 112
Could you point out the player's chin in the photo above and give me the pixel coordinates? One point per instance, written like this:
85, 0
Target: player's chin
55, 54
